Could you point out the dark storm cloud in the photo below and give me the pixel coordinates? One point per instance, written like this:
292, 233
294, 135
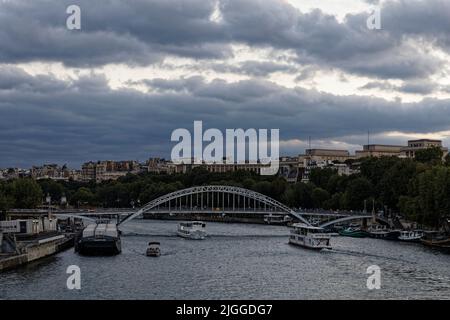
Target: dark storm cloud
132, 32
74, 124
144, 32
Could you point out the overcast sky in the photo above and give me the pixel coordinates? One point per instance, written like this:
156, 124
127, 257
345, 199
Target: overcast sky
139, 69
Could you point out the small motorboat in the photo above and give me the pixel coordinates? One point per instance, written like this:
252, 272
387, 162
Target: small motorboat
354, 231
153, 249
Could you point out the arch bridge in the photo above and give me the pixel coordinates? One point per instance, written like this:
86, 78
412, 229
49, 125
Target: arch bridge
217, 198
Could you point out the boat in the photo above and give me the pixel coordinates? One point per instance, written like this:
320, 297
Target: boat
353, 231
437, 240
309, 237
99, 239
153, 249
410, 235
381, 232
273, 219
195, 230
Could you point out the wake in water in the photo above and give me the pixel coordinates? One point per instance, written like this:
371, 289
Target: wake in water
363, 254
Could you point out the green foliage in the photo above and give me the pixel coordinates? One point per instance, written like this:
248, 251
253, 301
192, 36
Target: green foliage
26, 193
432, 155
357, 191
319, 196
83, 196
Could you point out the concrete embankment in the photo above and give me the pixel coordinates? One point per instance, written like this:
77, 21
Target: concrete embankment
34, 251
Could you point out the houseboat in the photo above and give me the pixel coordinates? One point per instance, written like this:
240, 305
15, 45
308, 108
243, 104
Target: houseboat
309, 237
195, 230
437, 240
99, 239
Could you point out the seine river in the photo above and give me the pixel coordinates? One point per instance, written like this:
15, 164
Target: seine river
237, 261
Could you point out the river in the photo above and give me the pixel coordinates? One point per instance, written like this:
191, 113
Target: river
237, 261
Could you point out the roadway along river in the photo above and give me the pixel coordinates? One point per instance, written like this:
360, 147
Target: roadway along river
237, 261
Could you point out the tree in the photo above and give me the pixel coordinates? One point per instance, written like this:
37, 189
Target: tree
432, 155
357, 191
53, 188
27, 193
319, 196
299, 195
321, 176
82, 196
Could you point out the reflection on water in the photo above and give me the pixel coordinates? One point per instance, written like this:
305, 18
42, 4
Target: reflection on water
237, 261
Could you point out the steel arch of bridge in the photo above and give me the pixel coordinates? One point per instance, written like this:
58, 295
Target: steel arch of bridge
205, 189
330, 223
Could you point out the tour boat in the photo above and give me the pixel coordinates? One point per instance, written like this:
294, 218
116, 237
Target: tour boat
309, 237
153, 249
195, 230
410, 235
355, 232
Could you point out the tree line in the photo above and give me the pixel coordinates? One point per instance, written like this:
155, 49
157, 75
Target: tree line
418, 189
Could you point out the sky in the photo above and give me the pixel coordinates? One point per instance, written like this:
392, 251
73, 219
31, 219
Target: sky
139, 69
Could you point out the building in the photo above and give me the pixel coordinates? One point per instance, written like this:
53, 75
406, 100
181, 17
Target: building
160, 166
14, 173
421, 144
108, 170
326, 155
88, 171
324, 158
289, 168
51, 171
379, 150
219, 167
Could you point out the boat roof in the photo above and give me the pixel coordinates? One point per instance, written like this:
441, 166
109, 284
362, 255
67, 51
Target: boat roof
154, 242
305, 226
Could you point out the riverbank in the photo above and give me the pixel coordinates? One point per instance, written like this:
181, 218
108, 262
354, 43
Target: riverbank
34, 250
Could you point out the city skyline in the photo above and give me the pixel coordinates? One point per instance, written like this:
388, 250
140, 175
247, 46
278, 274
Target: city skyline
116, 89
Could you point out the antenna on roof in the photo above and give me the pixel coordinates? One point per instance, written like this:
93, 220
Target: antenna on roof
309, 142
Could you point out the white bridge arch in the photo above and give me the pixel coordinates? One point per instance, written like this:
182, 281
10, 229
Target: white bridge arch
222, 189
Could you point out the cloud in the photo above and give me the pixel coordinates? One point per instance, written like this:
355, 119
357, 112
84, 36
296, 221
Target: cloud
70, 123
145, 32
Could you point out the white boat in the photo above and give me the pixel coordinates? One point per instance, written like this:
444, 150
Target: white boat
277, 219
153, 249
195, 230
309, 237
411, 235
